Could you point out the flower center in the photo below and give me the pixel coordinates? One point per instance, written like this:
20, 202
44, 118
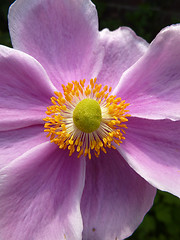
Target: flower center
87, 115
86, 119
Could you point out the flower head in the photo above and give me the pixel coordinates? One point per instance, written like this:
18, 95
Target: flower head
81, 160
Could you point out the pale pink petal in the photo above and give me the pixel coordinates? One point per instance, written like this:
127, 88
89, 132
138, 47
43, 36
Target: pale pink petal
16, 142
152, 149
61, 35
115, 198
40, 196
152, 85
25, 90
122, 49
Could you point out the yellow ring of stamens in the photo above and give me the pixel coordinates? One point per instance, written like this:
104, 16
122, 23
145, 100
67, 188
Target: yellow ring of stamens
62, 130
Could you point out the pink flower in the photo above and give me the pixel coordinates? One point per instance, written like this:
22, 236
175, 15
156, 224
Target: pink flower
47, 194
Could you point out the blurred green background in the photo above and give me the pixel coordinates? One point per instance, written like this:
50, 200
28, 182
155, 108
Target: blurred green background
146, 18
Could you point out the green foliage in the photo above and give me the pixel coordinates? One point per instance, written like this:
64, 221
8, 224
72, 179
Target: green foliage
146, 19
4, 34
162, 221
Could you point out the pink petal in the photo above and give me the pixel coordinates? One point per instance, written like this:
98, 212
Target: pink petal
152, 149
122, 49
40, 196
115, 198
152, 85
61, 35
25, 90
16, 142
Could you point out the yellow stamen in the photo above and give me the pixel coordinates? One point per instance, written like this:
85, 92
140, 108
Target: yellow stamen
62, 130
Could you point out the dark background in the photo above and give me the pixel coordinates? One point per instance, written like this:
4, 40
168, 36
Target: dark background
146, 18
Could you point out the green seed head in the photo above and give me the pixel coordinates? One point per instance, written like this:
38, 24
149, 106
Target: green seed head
87, 115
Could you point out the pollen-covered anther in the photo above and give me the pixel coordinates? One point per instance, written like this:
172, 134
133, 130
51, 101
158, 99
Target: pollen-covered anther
86, 119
